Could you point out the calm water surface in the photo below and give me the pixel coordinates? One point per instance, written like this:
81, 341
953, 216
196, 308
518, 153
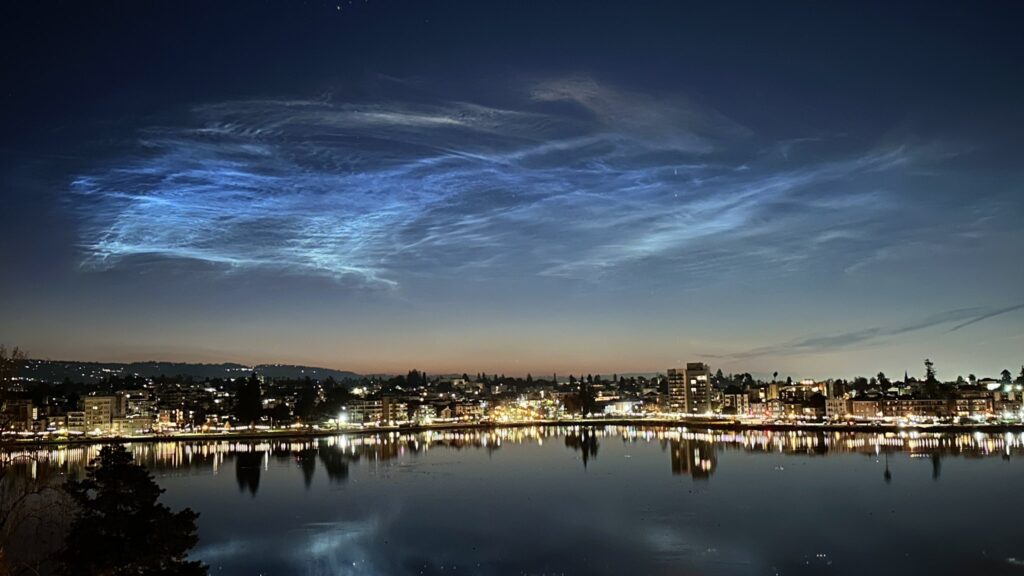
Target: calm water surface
605, 500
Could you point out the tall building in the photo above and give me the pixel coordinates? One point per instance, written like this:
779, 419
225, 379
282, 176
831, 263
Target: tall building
394, 411
697, 391
100, 411
689, 389
676, 390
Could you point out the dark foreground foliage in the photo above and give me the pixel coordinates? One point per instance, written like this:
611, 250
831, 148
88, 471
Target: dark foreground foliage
121, 528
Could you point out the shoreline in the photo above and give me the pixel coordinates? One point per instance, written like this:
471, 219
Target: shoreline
728, 425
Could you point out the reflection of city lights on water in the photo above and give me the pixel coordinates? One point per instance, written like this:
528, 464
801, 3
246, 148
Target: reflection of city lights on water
213, 454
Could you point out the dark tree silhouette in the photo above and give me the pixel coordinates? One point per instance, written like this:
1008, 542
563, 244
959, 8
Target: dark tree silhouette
585, 442
582, 402
249, 401
929, 371
307, 462
247, 471
32, 507
121, 528
306, 403
335, 463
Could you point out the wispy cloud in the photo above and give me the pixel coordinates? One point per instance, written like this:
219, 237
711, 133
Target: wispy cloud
579, 181
986, 316
828, 343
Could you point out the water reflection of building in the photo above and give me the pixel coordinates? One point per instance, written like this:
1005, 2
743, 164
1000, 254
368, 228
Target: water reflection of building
693, 457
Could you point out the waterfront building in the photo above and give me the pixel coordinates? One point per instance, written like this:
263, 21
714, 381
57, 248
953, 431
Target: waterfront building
689, 389
394, 411
974, 406
925, 408
384, 411
365, 411
101, 410
469, 410
75, 421
891, 407
697, 391
865, 408
424, 414
836, 408
131, 426
735, 401
623, 408
676, 398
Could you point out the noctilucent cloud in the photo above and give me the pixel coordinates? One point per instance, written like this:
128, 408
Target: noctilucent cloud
377, 186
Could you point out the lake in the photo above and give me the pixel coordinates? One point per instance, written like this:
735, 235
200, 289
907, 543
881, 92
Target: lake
597, 500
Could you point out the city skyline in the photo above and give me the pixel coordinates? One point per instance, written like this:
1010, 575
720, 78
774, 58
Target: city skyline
54, 369
383, 186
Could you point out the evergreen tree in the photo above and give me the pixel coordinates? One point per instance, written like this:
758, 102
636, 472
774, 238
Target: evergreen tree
306, 402
249, 401
121, 528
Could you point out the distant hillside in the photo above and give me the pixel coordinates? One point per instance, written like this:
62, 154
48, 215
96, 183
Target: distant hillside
58, 370
289, 371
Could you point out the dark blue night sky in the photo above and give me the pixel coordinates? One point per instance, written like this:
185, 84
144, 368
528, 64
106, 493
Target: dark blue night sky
816, 188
